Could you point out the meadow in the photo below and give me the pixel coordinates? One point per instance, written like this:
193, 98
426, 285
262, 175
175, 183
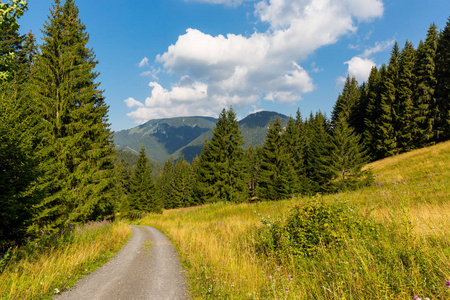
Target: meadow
42, 270
387, 241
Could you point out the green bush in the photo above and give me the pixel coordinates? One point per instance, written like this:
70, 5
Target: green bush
308, 227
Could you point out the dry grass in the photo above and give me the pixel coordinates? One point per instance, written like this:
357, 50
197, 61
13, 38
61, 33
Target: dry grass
40, 274
410, 200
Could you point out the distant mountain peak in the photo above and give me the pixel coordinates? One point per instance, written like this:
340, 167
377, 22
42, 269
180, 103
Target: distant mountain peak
185, 136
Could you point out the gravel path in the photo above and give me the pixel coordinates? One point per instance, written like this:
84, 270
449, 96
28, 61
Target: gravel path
147, 267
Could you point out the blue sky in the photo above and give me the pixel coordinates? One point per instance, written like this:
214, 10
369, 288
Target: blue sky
171, 58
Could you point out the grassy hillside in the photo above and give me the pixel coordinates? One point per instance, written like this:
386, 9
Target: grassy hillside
396, 246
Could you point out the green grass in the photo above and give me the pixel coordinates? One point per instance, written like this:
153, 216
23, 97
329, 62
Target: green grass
408, 254
37, 272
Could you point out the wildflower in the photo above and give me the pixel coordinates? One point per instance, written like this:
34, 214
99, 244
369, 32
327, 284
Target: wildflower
270, 277
56, 291
278, 268
447, 283
290, 277
287, 291
416, 298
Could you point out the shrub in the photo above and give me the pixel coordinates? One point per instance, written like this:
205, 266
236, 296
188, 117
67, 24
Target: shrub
309, 227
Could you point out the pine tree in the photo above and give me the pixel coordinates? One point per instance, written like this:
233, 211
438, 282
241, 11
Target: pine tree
389, 106
183, 183
18, 161
405, 117
19, 170
347, 158
253, 159
76, 145
373, 134
142, 188
425, 86
441, 108
275, 174
347, 102
294, 148
221, 168
318, 152
204, 176
165, 184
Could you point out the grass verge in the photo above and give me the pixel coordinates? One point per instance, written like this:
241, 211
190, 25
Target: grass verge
37, 272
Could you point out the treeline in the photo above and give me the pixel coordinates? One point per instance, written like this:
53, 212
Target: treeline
404, 105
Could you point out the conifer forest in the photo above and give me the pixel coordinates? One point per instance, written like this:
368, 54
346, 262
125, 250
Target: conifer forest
59, 166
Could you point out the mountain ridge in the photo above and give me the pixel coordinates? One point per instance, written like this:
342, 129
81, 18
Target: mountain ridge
185, 136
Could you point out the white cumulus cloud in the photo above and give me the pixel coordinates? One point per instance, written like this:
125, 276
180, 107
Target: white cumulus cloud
239, 70
361, 65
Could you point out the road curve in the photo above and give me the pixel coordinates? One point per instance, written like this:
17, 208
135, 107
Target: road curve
147, 267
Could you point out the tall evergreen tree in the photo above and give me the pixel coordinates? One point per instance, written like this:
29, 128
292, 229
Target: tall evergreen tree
389, 105
347, 102
347, 158
183, 183
76, 145
405, 117
143, 195
425, 86
276, 175
318, 153
18, 160
165, 183
294, 148
373, 134
253, 158
441, 107
221, 167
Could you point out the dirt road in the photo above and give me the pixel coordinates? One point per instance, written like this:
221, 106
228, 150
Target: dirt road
147, 267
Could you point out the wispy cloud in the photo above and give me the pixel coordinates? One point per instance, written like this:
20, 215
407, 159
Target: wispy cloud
144, 62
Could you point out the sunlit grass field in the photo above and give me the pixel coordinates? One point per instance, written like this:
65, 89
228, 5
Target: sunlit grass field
45, 271
408, 254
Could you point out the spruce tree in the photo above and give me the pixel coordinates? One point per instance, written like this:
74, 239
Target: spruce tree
204, 176
389, 106
143, 195
318, 153
347, 158
182, 184
373, 134
275, 173
441, 107
19, 168
294, 147
165, 184
221, 168
405, 117
76, 142
347, 102
425, 86
253, 159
